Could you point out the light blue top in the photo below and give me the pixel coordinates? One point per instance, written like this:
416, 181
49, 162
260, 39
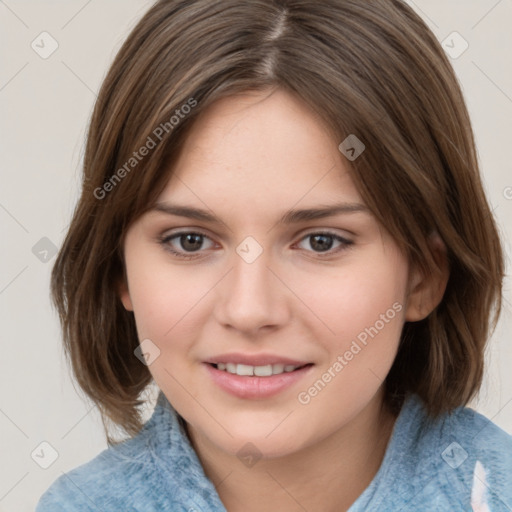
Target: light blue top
443, 465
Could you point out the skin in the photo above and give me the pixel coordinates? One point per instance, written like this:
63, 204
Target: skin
249, 159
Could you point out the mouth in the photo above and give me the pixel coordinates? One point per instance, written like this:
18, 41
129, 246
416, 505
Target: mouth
256, 381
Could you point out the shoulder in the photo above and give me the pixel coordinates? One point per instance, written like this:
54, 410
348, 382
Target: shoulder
460, 458
482, 437
155, 471
102, 482
478, 454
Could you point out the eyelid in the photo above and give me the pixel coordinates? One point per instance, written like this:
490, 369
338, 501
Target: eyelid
187, 231
327, 231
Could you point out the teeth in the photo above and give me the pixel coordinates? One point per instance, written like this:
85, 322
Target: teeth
259, 371
277, 368
263, 371
244, 369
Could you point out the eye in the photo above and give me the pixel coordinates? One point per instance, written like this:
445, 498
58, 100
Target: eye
190, 242
185, 244
322, 242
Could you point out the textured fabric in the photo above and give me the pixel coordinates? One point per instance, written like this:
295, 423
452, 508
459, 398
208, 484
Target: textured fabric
460, 462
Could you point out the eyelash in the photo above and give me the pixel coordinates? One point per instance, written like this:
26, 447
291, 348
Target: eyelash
164, 241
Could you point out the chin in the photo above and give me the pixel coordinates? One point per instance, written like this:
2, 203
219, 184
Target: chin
260, 442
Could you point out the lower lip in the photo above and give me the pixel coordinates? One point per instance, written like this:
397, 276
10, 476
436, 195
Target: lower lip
255, 387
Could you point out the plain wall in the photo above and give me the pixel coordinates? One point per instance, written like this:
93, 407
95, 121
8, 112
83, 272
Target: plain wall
45, 106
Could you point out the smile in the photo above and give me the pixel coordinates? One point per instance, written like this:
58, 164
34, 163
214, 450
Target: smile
256, 382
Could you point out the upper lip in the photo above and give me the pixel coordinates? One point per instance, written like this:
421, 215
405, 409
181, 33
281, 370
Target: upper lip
254, 359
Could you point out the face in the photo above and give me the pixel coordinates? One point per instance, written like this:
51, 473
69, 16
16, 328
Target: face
255, 286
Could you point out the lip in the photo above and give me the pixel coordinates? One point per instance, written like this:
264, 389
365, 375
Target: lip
255, 359
255, 388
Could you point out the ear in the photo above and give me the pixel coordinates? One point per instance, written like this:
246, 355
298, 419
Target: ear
426, 292
124, 294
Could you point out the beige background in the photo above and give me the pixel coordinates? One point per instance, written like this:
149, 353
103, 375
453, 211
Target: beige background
44, 110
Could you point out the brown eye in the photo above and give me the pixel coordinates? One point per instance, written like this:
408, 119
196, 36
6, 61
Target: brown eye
323, 242
191, 242
184, 244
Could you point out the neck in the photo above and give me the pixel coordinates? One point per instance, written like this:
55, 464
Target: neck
328, 476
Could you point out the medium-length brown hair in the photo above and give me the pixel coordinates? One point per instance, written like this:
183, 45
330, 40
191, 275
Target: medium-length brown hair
372, 69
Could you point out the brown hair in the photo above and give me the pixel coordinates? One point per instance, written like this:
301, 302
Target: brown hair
373, 69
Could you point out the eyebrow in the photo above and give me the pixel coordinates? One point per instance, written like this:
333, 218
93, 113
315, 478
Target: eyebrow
289, 217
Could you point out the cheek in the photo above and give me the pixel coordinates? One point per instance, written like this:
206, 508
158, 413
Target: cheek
353, 297
168, 311
366, 313
362, 303
166, 299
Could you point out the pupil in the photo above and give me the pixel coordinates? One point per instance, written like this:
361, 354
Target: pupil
193, 239
320, 242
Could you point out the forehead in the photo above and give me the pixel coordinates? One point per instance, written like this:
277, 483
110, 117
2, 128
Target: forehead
256, 151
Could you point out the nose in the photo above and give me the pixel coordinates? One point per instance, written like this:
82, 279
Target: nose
252, 297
